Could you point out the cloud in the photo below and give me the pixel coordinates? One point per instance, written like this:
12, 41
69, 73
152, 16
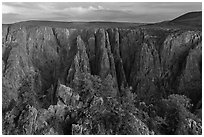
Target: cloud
82, 9
11, 17
7, 9
90, 11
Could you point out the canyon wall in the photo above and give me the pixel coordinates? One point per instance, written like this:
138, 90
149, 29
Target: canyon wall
151, 61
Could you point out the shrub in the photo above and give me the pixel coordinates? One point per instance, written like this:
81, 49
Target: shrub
103, 112
177, 116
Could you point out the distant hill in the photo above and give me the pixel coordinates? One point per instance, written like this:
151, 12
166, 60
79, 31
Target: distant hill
188, 21
191, 19
78, 25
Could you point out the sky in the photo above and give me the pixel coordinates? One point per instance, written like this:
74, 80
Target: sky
138, 12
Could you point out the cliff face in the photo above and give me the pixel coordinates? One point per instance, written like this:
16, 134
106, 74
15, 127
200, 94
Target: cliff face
149, 60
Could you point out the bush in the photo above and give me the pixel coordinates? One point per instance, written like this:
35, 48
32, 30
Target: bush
103, 111
26, 92
175, 110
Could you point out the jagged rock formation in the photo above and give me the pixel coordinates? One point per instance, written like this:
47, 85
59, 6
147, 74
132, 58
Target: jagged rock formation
154, 62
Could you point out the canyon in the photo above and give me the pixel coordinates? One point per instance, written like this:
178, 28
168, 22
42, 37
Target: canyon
153, 61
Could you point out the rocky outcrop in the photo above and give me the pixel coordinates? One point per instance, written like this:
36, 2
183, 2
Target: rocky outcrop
80, 63
175, 62
153, 62
67, 96
133, 57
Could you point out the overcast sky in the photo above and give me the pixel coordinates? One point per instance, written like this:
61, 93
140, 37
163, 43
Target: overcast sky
131, 12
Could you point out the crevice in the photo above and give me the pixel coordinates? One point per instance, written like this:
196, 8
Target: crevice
27, 48
56, 39
92, 58
200, 64
5, 57
8, 30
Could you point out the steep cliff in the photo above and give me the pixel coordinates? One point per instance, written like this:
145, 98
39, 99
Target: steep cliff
153, 62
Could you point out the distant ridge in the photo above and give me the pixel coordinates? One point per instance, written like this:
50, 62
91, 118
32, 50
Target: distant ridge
191, 19
92, 24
